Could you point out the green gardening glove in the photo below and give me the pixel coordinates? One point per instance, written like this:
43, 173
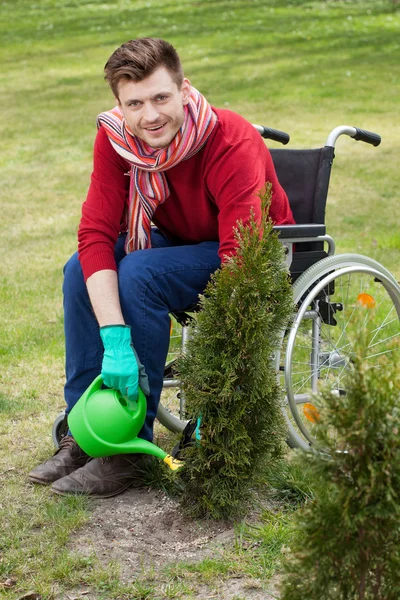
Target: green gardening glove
121, 369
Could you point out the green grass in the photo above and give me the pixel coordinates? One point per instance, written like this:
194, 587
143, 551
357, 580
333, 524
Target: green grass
303, 67
254, 556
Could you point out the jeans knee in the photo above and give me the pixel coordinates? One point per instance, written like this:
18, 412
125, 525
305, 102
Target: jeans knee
74, 282
139, 290
134, 271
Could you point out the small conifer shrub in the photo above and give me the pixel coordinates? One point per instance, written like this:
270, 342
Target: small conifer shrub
347, 542
228, 373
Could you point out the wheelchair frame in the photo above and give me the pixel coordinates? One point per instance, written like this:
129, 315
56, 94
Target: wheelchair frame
316, 275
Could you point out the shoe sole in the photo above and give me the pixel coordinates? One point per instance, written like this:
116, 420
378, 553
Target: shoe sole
36, 479
32, 479
99, 496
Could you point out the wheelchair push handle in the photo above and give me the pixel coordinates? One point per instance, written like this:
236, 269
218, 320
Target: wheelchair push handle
354, 132
367, 136
273, 134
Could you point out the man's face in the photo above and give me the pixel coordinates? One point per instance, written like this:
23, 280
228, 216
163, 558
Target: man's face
153, 108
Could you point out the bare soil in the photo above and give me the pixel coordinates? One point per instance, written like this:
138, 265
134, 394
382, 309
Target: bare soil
143, 531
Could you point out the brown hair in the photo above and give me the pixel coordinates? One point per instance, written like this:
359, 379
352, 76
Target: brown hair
137, 59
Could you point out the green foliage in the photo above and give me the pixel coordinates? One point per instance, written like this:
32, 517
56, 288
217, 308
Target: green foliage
289, 483
228, 372
348, 541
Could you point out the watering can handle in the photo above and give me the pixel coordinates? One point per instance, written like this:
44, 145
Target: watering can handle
139, 404
95, 385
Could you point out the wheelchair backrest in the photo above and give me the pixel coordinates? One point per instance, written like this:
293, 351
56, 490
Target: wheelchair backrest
304, 175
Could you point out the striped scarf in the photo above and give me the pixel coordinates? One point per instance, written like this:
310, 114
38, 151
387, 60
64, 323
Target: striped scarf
148, 184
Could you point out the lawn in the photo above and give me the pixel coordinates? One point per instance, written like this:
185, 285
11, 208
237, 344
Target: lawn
303, 67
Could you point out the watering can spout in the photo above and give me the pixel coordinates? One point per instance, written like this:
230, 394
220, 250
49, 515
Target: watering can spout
138, 445
104, 423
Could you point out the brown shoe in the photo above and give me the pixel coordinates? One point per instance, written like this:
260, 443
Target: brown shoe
67, 459
104, 477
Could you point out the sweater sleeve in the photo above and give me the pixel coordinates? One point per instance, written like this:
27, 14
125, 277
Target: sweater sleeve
103, 209
237, 170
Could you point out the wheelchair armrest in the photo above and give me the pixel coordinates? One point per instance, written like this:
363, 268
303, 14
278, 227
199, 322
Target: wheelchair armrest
300, 231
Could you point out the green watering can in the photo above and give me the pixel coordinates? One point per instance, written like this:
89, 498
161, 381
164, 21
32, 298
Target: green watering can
104, 423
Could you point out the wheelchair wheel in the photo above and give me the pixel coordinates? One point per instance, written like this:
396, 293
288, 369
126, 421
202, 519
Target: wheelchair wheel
352, 295
324, 266
60, 428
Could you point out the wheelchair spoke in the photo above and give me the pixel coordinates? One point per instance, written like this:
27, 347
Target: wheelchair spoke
379, 329
304, 383
381, 353
336, 346
345, 303
392, 337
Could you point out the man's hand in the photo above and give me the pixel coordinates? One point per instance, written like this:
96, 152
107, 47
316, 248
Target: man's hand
121, 368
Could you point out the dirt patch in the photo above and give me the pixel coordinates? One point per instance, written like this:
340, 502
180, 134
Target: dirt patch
144, 530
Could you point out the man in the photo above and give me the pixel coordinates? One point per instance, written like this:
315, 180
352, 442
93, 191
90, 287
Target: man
162, 156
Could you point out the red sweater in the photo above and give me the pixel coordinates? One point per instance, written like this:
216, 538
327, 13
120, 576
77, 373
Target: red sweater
208, 193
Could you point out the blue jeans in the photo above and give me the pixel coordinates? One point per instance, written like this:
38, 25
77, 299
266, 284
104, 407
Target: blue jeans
153, 282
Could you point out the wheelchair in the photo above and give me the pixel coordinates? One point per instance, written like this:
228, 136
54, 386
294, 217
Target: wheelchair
336, 297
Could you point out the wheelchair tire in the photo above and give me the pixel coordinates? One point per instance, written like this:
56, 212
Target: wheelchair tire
324, 266
346, 288
60, 428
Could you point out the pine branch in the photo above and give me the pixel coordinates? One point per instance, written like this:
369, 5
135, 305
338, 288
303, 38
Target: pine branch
228, 373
